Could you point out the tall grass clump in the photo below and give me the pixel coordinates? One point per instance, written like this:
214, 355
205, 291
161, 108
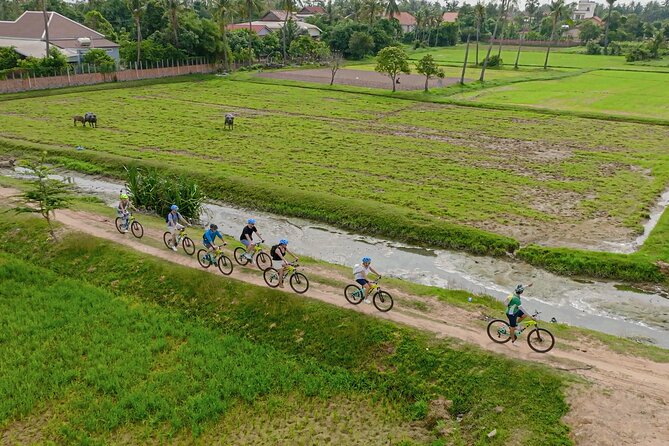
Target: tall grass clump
157, 192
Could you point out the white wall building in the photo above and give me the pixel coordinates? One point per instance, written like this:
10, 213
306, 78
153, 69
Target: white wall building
584, 10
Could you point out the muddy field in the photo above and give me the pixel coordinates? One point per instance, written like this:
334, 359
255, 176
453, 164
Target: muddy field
360, 78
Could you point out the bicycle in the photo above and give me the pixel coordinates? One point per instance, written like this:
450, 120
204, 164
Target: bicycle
182, 237
539, 339
206, 259
382, 300
122, 225
298, 281
262, 259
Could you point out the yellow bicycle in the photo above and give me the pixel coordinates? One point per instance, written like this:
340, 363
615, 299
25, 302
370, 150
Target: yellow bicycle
298, 281
383, 301
262, 259
182, 237
539, 339
223, 262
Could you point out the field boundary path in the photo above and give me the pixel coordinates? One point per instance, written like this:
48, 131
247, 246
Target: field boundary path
624, 402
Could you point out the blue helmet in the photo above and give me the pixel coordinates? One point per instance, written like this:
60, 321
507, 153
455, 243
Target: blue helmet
283, 241
251, 221
366, 260
174, 207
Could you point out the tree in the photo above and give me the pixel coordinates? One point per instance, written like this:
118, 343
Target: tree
252, 7
531, 7
494, 34
336, 60
137, 9
99, 57
8, 58
392, 9
589, 31
360, 45
95, 20
479, 15
557, 10
46, 27
608, 23
392, 61
222, 13
289, 7
428, 68
46, 194
372, 9
173, 9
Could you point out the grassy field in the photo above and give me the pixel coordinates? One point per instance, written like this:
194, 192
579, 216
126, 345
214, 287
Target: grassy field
134, 356
329, 155
611, 92
534, 56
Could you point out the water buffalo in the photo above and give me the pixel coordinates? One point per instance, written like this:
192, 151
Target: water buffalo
91, 119
229, 121
79, 119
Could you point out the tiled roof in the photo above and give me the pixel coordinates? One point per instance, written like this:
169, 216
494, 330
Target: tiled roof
450, 17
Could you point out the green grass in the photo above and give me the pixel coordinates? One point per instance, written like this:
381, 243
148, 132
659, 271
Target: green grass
611, 92
135, 344
404, 169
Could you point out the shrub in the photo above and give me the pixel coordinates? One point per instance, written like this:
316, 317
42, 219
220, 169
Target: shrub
157, 192
637, 54
495, 61
360, 45
615, 49
99, 58
593, 48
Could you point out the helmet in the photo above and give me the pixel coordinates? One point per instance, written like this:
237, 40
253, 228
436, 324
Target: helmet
519, 289
124, 196
174, 207
251, 221
213, 227
283, 241
366, 260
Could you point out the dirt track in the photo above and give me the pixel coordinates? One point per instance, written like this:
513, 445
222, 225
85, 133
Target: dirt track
626, 402
360, 78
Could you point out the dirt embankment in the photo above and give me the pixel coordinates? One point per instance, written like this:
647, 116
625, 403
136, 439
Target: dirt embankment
625, 400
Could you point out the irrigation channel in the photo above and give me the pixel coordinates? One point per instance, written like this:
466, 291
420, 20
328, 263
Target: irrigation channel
596, 305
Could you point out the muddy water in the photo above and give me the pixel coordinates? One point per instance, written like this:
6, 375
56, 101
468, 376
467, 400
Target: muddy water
596, 305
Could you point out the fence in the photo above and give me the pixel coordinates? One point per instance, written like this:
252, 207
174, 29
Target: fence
25, 81
544, 43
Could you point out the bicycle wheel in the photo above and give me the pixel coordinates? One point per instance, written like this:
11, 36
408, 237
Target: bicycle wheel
383, 301
239, 256
263, 261
299, 283
167, 239
499, 331
203, 258
137, 229
225, 265
271, 277
119, 225
189, 246
540, 340
353, 294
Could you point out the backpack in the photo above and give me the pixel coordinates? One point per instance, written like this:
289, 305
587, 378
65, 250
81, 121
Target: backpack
272, 252
357, 269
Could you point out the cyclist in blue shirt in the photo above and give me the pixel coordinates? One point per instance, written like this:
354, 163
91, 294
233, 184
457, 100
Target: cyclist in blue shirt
209, 237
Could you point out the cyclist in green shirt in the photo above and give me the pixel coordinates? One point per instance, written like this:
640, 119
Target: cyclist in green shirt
514, 310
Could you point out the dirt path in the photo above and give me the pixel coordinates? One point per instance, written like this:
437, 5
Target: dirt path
626, 399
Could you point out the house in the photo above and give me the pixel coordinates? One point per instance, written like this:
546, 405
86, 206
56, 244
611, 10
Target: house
27, 36
584, 10
310, 11
575, 33
407, 21
450, 17
273, 21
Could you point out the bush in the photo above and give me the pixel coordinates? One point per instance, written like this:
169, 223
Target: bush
100, 59
495, 61
637, 54
360, 45
156, 192
615, 49
593, 48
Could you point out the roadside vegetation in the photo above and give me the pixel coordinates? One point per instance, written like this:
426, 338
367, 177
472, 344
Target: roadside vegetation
150, 327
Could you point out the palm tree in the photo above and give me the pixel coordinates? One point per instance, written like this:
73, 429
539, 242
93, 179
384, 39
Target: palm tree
392, 9
608, 22
252, 7
289, 7
557, 11
173, 8
372, 9
46, 27
222, 12
137, 9
479, 16
492, 38
437, 15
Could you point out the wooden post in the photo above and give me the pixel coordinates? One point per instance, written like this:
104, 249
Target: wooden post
464, 65
520, 43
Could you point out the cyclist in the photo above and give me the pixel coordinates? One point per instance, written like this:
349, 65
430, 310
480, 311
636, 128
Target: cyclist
515, 311
173, 225
278, 254
209, 237
123, 209
247, 238
360, 272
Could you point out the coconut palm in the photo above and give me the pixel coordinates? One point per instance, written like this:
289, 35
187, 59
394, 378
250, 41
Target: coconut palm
505, 3
392, 9
557, 10
289, 7
252, 7
46, 27
479, 16
173, 9
372, 9
137, 8
608, 22
222, 12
